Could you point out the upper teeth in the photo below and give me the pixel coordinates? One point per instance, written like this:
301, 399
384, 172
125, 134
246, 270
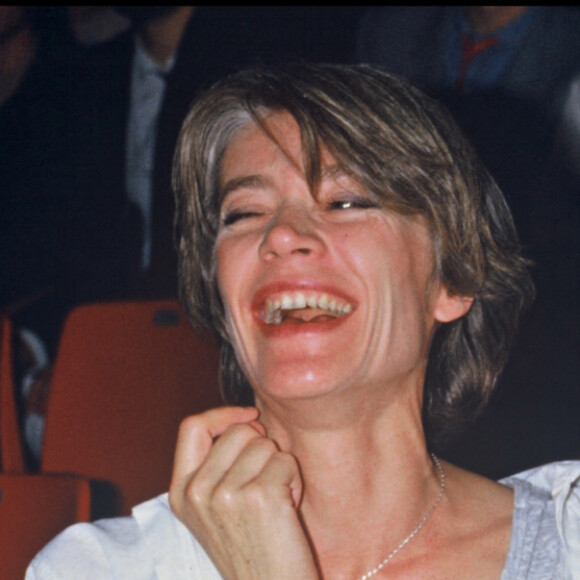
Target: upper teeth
274, 308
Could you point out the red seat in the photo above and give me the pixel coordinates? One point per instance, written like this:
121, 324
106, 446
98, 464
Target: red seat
126, 374
11, 449
34, 509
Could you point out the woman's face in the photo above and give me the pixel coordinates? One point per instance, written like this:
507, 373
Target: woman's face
322, 293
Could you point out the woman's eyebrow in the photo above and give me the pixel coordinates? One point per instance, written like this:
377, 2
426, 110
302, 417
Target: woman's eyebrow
247, 181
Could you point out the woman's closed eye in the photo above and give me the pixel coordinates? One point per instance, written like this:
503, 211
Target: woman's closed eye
236, 215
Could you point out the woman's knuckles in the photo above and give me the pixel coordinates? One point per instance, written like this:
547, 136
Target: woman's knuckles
197, 492
262, 446
230, 498
237, 435
263, 495
258, 483
215, 422
260, 494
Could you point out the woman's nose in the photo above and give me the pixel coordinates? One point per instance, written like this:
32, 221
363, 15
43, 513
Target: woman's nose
293, 231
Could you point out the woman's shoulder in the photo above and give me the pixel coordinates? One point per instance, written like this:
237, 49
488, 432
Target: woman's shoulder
546, 514
151, 543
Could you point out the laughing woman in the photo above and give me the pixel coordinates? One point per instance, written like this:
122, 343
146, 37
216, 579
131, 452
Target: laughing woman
363, 274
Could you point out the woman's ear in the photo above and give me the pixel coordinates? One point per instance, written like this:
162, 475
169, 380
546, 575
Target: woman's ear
449, 307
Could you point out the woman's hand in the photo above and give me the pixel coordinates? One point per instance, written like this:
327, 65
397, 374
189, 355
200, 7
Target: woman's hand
239, 496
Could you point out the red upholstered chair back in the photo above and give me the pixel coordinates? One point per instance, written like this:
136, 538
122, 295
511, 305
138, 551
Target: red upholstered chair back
11, 449
126, 374
34, 509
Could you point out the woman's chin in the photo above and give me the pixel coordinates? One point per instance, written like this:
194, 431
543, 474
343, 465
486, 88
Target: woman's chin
294, 385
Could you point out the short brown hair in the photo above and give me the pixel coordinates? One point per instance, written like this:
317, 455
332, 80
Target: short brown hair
410, 155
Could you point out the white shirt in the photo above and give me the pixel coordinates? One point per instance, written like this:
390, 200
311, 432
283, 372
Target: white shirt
153, 544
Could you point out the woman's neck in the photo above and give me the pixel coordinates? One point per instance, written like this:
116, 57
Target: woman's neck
365, 471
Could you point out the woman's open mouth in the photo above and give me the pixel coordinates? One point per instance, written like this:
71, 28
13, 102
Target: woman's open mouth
301, 307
